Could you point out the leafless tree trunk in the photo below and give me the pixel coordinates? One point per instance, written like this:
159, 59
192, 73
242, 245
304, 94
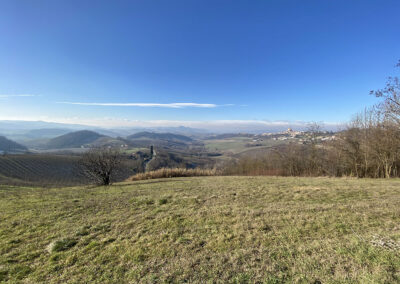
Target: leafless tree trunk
100, 164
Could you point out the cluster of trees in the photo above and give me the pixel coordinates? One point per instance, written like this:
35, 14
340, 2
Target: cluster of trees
286, 160
368, 147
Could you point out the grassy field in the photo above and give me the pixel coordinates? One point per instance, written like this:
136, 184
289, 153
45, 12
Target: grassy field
204, 229
236, 145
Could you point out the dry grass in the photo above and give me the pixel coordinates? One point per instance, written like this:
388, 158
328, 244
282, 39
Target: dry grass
203, 230
171, 173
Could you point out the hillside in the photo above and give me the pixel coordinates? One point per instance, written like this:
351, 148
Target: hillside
7, 145
46, 133
75, 139
160, 136
52, 170
203, 230
40, 170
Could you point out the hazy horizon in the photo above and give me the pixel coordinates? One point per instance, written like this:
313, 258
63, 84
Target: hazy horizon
197, 64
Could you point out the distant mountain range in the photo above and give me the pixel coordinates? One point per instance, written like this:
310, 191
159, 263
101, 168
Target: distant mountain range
160, 136
46, 135
23, 131
21, 125
43, 139
88, 138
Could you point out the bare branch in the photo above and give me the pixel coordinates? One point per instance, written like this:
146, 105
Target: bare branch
100, 164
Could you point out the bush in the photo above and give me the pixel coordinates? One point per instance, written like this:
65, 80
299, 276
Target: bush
170, 173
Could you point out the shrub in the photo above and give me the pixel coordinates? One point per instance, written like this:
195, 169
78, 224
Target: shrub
170, 173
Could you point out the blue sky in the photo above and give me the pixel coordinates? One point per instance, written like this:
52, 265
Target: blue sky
271, 60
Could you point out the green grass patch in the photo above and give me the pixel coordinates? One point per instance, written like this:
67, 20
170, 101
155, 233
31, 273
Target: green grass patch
64, 244
203, 230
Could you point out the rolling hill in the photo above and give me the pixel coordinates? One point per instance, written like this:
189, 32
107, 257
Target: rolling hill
41, 170
160, 136
46, 133
75, 139
53, 170
9, 146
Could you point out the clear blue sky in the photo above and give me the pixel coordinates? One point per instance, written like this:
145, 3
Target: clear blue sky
250, 60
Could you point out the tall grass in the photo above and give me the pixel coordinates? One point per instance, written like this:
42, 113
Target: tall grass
170, 173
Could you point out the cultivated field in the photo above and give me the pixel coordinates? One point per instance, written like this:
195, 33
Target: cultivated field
40, 170
50, 170
235, 145
203, 229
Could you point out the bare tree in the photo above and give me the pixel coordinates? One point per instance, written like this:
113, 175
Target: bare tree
391, 98
386, 148
313, 154
100, 164
314, 129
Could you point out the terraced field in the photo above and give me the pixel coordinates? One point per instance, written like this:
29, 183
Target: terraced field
48, 170
40, 169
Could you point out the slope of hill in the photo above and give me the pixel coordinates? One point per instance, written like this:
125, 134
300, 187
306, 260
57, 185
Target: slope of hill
46, 133
160, 136
9, 146
203, 230
106, 141
40, 170
73, 140
52, 170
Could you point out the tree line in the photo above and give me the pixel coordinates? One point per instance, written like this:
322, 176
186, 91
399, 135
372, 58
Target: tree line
368, 147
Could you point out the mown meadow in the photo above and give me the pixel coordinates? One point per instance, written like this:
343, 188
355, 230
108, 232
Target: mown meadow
203, 230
